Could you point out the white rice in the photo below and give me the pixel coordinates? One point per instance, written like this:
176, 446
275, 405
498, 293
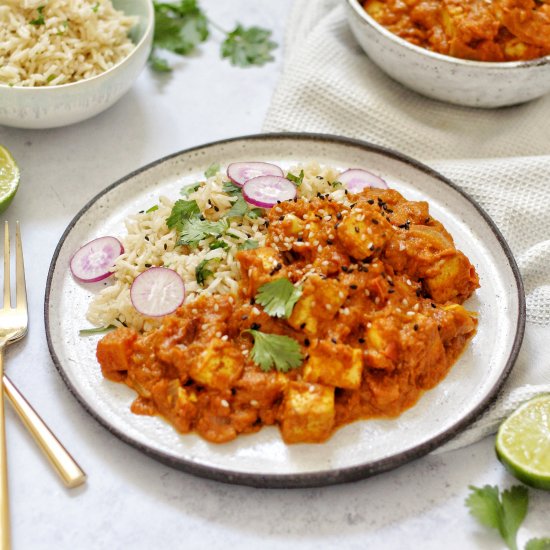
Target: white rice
149, 242
52, 42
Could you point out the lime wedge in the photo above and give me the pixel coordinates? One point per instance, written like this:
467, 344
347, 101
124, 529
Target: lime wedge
523, 442
9, 178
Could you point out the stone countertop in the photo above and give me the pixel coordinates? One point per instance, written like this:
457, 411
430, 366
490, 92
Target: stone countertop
130, 500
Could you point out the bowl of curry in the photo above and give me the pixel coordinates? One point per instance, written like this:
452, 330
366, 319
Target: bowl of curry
472, 53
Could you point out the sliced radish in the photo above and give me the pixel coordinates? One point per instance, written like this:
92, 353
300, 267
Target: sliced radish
93, 261
357, 179
157, 291
240, 172
266, 191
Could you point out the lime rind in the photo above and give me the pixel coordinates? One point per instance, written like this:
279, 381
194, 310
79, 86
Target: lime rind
9, 178
523, 442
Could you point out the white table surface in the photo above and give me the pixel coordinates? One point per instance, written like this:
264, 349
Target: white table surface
130, 500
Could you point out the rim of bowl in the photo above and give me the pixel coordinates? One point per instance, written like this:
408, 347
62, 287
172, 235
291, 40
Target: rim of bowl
362, 14
146, 34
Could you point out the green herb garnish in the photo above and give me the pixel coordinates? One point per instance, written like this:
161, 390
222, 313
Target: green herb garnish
40, 19
246, 47
195, 230
202, 272
153, 208
181, 26
188, 189
51, 77
218, 244
182, 212
241, 208
275, 351
249, 244
504, 512
231, 189
297, 180
278, 297
96, 7
212, 170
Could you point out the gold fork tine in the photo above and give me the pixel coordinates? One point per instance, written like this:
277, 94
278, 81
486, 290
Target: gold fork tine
21, 296
7, 287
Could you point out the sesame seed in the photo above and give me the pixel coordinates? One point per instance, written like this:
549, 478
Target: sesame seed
377, 300
410, 314
409, 282
194, 311
254, 403
224, 403
256, 311
342, 295
218, 334
311, 388
367, 292
328, 307
216, 307
325, 262
319, 248
327, 218
245, 352
405, 302
225, 337
204, 326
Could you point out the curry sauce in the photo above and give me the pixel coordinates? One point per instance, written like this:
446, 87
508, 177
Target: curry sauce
497, 30
379, 320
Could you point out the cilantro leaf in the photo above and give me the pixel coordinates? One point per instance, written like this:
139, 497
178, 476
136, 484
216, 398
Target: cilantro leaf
182, 212
40, 19
195, 230
159, 64
241, 208
504, 513
202, 272
97, 330
218, 244
538, 544
278, 297
212, 170
153, 208
275, 351
95, 7
188, 189
249, 244
231, 189
179, 27
246, 47
297, 180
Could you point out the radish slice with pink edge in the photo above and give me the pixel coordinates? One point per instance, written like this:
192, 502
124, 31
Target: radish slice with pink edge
240, 172
357, 179
267, 191
93, 261
157, 291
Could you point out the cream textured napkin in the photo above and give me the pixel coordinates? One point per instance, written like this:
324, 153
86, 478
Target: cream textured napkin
500, 157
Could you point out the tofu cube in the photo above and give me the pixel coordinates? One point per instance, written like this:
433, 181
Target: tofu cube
218, 366
114, 352
363, 232
334, 365
321, 299
308, 413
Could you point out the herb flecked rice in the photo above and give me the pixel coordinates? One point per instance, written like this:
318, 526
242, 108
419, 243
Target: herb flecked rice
149, 242
52, 42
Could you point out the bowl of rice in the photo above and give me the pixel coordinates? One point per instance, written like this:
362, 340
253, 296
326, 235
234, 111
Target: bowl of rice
63, 61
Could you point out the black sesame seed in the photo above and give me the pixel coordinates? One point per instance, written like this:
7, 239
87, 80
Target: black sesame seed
256, 326
306, 342
345, 268
281, 218
370, 201
433, 305
303, 326
339, 215
329, 241
244, 317
333, 340
375, 222
361, 340
148, 265
353, 287
216, 208
356, 229
146, 238
415, 327
391, 291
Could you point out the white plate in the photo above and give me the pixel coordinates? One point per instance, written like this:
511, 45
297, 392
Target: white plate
262, 459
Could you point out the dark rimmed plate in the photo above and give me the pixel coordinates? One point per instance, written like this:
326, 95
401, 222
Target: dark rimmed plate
263, 460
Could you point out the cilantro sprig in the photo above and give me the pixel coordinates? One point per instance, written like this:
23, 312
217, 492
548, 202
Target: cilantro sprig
241, 208
274, 351
278, 297
182, 212
180, 27
202, 272
504, 512
297, 180
195, 230
40, 19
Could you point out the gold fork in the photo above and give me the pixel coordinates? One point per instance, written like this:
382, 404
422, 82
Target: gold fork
13, 327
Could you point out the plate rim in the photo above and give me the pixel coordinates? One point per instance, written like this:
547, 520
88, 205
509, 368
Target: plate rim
322, 477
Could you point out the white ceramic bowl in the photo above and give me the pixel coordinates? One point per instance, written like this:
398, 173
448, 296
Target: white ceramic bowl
53, 106
459, 81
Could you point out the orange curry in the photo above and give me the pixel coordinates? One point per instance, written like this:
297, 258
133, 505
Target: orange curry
378, 322
494, 30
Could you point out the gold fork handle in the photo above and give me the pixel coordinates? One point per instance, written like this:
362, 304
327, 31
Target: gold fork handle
4, 493
65, 465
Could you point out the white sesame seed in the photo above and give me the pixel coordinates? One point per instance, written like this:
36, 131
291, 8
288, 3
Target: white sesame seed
331, 236
218, 334
245, 352
367, 292
377, 300
194, 311
405, 302
402, 245
256, 311
328, 307
415, 307
319, 248
224, 403
311, 388
276, 239
254, 403
278, 209
370, 245
363, 237
225, 337
409, 282
231, 300
204, 327
410, 313
325, 262
327, 218
341, 295
308, 225
216, 307
369, 325
369, 230
315, 242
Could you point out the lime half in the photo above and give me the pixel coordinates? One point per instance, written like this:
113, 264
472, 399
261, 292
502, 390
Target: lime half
9, 178
523, 442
